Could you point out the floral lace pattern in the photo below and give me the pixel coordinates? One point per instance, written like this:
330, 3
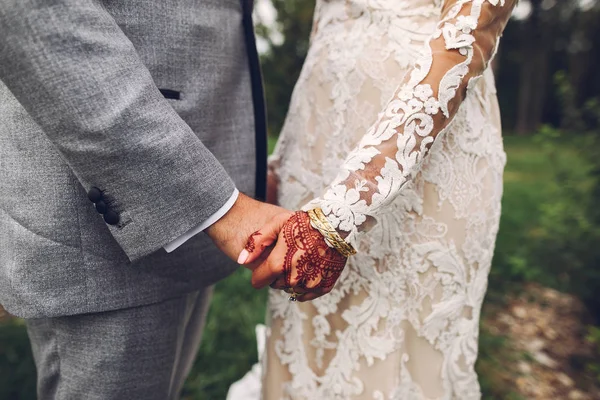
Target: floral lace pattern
418, 196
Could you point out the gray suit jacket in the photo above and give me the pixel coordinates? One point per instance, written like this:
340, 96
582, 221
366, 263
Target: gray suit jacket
149, 101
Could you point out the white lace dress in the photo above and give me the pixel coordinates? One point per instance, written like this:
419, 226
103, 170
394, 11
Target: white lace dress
416, 189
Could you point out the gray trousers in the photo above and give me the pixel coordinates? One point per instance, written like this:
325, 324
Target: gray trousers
140, 353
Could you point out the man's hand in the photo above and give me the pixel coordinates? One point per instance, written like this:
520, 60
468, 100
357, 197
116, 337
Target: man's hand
231, 232
300, 260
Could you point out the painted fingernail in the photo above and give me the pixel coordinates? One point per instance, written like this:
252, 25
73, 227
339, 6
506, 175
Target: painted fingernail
244, 255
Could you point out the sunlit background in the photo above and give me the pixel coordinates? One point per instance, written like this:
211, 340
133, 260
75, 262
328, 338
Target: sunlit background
540, 333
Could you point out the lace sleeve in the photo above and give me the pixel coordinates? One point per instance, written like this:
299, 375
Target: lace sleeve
392, 151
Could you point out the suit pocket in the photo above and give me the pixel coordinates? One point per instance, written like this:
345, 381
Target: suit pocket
171, 94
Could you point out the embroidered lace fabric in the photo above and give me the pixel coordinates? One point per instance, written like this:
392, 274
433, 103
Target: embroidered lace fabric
418, 196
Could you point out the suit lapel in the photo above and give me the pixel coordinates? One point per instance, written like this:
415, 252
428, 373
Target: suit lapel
260, 118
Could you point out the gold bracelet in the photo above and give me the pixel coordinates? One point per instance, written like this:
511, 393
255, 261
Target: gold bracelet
331, 236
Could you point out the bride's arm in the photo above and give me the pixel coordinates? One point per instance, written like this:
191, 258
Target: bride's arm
392, 151
387, 157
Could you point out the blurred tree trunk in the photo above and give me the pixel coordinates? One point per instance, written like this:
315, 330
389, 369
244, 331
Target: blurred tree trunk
583, 54
533, 76
283, 62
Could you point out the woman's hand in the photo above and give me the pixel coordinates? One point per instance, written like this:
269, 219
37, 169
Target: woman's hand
300, 260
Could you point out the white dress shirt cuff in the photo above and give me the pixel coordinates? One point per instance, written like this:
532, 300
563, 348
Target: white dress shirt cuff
211, 220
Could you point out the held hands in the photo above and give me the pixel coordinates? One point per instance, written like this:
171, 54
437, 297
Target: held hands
286, 253
300, 262
231, 232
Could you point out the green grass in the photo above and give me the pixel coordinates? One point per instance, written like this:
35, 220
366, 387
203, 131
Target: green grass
528, 186
17, 369
272, 140
526, 177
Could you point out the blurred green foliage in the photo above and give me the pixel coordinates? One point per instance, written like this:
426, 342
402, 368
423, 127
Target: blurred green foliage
281, 64
17, 369
593, 365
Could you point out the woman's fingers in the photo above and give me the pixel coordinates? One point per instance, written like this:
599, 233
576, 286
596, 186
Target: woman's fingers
313, 294
271, 269
310, 283
261, 239
260, 259
279, 284
252, 250
303, 292
293, 263
309, 296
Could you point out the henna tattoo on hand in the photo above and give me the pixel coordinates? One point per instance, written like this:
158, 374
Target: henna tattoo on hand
250, 244
316, 260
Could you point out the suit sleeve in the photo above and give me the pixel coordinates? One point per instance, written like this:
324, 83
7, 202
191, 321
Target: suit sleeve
81, 80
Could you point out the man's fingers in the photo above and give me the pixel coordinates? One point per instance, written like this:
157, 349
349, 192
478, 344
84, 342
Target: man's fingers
261, 239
